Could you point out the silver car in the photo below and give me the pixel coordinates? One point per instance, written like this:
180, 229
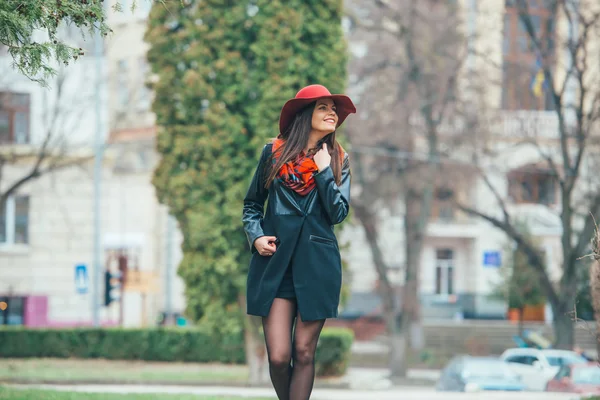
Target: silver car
537, 367
474, 374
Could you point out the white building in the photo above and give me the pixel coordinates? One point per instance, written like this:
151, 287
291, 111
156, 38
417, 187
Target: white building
47, 225
41, 238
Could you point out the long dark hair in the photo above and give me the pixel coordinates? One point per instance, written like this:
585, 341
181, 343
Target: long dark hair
296, 138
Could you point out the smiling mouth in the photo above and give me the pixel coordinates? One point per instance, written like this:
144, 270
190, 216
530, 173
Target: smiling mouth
331, 121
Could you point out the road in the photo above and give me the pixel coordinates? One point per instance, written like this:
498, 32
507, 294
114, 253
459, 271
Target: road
408, 393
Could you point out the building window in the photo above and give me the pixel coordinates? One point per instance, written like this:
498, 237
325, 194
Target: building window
12, 310
444, 272
442, 209
14, 220
122, 84
532, 187
524, 85
14, 118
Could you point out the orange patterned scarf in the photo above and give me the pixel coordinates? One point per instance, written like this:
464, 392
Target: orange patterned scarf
298, 174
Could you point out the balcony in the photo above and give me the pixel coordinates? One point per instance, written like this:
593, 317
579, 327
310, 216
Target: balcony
465, 229
503, 124
525, 124
447, 222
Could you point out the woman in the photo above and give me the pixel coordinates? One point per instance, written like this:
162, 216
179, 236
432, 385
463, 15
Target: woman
295, 273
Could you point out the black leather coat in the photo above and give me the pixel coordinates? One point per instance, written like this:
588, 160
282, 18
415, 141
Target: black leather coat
304, 226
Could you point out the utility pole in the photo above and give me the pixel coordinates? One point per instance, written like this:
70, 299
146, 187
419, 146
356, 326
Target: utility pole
98, 153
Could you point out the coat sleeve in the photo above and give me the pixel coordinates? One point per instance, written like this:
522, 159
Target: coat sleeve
335, 198
254, 202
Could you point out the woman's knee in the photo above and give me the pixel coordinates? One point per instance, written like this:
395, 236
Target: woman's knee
304, 354
280, 359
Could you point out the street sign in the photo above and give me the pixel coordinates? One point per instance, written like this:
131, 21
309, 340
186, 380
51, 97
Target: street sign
82, 281
492, 259
142, 281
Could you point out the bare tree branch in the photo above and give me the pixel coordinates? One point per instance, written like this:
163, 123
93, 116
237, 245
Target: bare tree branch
587, 232
417, 62
54, 152
496, 194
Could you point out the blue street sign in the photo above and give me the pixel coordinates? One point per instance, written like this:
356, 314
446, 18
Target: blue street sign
492, 259
81, 279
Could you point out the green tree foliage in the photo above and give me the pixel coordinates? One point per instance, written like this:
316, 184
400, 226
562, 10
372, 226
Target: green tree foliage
520, 283
523, 283
30, 30
223, 71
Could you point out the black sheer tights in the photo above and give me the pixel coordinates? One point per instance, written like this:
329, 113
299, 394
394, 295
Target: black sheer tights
292, 381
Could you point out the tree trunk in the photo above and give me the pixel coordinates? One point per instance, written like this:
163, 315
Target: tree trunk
595, 292
411, 305
397, 361
256, 351
390, 310
521, 311
368, 220
563, 328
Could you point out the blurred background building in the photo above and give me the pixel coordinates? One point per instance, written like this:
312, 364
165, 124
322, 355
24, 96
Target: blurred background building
46, 225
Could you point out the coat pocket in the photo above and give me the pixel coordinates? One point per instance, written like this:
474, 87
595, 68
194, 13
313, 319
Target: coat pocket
320, 239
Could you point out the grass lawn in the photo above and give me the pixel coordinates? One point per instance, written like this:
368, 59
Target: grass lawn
22, 394
106, 371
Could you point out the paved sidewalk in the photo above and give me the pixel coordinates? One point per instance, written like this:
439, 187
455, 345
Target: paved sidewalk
378, 378
408, 393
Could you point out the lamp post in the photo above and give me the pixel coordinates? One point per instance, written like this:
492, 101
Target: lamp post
98, 154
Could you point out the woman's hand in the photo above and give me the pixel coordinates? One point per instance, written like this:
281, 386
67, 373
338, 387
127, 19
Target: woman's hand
322, 158
265, 245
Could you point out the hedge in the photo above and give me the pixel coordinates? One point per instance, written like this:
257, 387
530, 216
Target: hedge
157, 344
333, 351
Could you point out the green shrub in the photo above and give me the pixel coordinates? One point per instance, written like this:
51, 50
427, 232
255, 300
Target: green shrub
162, 344
157, 344
333, 351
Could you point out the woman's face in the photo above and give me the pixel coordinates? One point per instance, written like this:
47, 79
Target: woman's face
324, 118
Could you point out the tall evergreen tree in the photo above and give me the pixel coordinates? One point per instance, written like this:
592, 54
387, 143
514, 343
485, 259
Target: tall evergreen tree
224, 69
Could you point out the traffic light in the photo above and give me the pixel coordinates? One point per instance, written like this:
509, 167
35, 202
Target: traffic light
112, 284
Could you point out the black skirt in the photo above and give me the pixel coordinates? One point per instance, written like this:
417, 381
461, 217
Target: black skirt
286, 287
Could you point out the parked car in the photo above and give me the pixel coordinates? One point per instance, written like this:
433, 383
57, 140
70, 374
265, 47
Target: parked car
576, 378
473, 374
536, 367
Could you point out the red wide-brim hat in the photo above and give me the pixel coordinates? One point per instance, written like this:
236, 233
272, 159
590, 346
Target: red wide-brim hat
309, 94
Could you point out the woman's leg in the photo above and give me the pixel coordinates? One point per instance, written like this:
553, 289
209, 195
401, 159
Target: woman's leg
278, 336
306, 336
